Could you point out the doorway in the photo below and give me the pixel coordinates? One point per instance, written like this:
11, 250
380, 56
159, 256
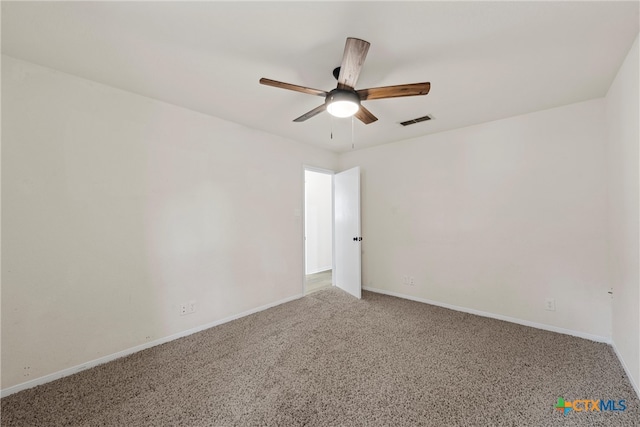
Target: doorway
318, 229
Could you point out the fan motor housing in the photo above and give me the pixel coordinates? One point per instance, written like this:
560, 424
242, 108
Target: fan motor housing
342, 95
342, 102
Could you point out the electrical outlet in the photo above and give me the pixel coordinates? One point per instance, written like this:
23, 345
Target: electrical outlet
412, 281
192, 307
183, 309
550, 304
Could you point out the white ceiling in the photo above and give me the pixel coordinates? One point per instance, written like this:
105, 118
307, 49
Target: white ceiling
485, 60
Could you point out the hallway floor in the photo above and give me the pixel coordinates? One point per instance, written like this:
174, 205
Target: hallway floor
315, 282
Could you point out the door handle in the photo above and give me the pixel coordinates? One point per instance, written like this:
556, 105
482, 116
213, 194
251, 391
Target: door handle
357, 239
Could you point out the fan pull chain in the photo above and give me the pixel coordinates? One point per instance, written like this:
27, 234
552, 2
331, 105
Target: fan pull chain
353, 144
331, 127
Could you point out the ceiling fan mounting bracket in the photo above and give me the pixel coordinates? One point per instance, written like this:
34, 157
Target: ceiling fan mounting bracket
336, 72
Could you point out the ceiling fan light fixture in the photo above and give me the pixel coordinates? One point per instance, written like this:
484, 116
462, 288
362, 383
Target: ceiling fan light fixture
342, 103
344, 100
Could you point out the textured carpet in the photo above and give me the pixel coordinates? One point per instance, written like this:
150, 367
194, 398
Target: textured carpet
331, 360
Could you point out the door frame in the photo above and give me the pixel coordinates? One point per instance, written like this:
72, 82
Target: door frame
310, 168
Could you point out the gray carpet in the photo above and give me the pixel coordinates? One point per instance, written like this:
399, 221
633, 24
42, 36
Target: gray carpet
331, 360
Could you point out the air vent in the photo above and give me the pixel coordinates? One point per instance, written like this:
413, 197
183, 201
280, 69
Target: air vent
414, 121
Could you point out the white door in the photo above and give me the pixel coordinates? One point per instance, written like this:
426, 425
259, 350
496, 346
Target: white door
347, 237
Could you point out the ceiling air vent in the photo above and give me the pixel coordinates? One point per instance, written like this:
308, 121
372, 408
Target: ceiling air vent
414, 121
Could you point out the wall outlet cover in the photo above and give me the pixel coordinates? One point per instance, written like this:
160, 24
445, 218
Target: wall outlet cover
550, 304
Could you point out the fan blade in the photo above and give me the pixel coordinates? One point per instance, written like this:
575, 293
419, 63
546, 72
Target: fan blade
394, 91
365, 116
311, 113
355, 51
296, 88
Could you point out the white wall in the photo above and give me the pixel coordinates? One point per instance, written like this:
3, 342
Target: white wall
495, 217
117, 208
319, 219
624, 197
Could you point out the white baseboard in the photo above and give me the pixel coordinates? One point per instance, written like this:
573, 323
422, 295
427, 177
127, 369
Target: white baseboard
626, 369
320, 270
108, 358
542, 326
75, 369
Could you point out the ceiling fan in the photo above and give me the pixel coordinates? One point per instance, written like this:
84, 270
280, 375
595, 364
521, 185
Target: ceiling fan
344, 100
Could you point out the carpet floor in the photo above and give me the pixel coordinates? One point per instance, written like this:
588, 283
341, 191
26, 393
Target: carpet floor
329, 359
